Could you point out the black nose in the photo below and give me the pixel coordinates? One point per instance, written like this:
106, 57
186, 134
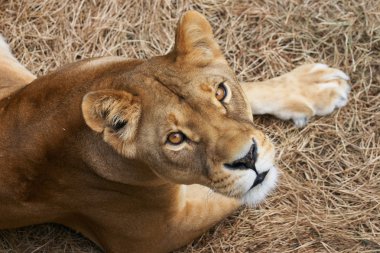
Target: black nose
247, 162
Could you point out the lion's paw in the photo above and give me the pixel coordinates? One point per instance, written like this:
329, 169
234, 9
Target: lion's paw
315, 89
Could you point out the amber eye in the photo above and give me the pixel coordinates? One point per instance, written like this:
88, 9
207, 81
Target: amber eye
221, 92
176, 138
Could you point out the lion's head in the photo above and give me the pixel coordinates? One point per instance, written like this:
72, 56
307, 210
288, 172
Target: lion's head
185, 116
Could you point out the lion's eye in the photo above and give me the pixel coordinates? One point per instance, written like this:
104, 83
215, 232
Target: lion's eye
176, 138
221, 92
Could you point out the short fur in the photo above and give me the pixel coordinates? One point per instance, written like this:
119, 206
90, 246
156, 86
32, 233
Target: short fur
86, 146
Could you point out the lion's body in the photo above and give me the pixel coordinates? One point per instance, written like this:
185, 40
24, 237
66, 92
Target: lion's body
38, 184
62, 161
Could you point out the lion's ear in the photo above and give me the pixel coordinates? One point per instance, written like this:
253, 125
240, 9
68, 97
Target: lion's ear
115, 114
195, 41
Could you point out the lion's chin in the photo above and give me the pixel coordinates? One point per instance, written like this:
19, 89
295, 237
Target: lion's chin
258, 193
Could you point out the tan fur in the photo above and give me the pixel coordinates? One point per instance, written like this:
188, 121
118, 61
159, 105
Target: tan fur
311, 89
88, 148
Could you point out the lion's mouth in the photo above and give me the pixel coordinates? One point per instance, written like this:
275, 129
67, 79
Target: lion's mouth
259, 178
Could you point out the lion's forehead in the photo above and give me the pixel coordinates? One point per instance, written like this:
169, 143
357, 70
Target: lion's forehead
195, 120
192, 100
181, 79
189, 96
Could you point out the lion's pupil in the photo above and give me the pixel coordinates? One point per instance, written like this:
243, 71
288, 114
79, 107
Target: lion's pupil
176, 138
221, 92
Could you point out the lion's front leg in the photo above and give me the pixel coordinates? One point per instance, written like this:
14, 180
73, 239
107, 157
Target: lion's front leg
160, 228
312, 89
201, 211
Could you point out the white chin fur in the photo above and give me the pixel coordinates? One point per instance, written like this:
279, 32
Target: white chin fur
259, 192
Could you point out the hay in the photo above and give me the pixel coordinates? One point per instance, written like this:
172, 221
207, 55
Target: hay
329, 196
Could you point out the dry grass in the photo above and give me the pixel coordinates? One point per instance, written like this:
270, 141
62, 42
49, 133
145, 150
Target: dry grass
329, 196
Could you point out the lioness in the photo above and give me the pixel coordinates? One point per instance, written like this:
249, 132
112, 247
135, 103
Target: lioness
126, 151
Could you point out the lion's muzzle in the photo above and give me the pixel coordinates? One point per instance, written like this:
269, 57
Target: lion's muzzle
248, 162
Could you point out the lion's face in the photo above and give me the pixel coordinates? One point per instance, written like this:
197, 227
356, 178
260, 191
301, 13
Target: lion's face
188, 119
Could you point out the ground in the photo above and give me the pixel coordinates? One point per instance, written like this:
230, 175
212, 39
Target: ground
328, 199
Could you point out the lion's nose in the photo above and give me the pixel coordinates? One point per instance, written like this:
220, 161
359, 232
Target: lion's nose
246, 162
